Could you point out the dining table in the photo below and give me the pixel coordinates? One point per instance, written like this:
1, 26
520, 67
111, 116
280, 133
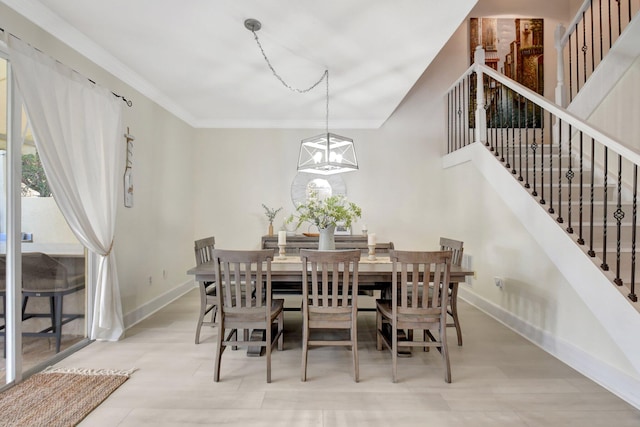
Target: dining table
374, 273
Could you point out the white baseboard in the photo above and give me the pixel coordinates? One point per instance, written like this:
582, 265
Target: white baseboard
146, 310
619, 383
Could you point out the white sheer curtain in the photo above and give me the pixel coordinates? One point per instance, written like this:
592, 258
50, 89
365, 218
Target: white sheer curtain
78, 132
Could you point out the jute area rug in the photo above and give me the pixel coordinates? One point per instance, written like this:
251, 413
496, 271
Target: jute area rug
58, 396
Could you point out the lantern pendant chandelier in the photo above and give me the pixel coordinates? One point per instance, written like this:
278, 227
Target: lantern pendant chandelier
324, 154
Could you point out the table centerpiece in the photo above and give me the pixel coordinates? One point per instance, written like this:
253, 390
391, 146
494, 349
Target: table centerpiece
326, 213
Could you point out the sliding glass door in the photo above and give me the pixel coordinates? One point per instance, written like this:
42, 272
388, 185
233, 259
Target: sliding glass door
42, 265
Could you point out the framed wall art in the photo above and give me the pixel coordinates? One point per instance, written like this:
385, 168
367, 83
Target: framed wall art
513, 47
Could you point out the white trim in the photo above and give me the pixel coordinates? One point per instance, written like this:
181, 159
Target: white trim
619, 383
139, 314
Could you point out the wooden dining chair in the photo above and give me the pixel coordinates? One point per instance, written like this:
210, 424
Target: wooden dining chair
329, 300
456, 248
203, 249
243, 281
416, 304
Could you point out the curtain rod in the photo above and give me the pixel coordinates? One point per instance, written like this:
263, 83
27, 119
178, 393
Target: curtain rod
117, 95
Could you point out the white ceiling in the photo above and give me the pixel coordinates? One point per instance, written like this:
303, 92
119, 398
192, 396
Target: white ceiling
196, 59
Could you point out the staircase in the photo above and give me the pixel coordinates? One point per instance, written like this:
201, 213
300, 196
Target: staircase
564, 178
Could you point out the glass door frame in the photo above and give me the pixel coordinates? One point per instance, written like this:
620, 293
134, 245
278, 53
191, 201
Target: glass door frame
13, 171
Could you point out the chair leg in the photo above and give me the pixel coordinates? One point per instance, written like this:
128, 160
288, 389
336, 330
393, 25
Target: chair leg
57, 305
25, 299
394, 352
199, 326
281, 331
445, 353
268, 347
214, 311
378, 331
354, 346
453, 302
305, 349
216, 372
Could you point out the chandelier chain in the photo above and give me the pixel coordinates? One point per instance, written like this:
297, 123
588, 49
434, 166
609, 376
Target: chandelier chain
325, 77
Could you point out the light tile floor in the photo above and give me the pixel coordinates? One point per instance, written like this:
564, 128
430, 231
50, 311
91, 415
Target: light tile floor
499, 379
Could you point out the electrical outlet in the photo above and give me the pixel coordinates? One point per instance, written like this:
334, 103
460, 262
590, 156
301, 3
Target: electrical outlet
499, 281
164, 274
150, 280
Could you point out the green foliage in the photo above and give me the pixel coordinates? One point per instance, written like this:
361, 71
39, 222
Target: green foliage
33, 177
270, 213
322, 213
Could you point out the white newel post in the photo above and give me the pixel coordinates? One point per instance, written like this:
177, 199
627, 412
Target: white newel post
481, 113
560, 92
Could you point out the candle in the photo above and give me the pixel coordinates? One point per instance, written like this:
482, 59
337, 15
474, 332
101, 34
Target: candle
282, 237
371, 239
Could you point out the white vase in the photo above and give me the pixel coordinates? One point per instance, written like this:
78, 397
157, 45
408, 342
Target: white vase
327, 241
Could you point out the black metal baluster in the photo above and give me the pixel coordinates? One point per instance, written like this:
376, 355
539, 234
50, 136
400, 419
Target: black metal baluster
591, 252
551, 210
496, 116
501, 115
604, 264
526, 136
593, 47
492, 106
487, 107
465, 112
618, 215
600, 20
619, 22
632, 295
542, 200
454, 123
559, 218
520, 178
585, 48
569, 175
513, 133
460, 113
508, 165
580, 216
610, 43
449, 122
473, 99
534, 147
577, 62
457, 113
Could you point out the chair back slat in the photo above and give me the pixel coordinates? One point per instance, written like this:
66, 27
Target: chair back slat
456, 248
414, 295
203, 249
242, 276
332, 275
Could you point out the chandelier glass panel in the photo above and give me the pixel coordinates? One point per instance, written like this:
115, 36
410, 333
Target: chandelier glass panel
324, 154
